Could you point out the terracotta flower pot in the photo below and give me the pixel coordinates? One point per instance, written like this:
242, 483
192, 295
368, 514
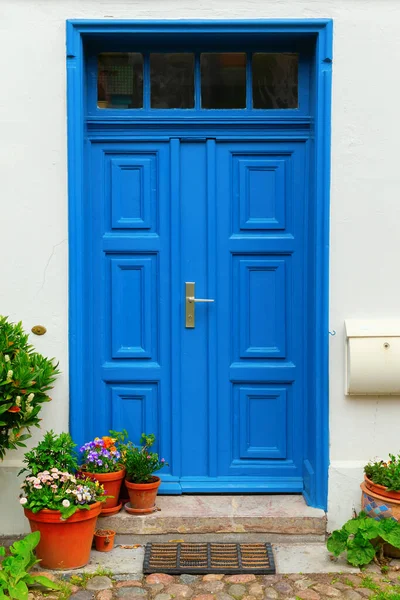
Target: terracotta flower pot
64, 544
104, 539
380, 489
112, 485
142, 496
381, 507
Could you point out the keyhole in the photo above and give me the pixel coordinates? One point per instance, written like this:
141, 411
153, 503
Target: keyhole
386, 345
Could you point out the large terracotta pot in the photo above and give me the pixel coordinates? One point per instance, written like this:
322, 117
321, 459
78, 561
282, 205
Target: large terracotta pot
64, 544
380, 489
381, 507
112, 485
142, 496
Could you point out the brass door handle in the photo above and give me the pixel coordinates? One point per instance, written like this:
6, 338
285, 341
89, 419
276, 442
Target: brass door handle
190, 302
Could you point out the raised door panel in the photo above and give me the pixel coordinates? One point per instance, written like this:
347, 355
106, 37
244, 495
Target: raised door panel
133, 308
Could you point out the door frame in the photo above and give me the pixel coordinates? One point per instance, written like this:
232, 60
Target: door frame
80, 32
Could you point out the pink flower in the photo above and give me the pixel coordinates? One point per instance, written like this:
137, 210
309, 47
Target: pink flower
37, 486
23, 500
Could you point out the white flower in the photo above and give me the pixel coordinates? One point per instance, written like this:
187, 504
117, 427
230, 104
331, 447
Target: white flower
30, 398
9, 374
29, 409
23, 500
66, 503
18, 401
68, 491
54, 470
7, 358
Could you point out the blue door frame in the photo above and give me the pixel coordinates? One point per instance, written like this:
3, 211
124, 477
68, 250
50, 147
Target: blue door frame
82, 34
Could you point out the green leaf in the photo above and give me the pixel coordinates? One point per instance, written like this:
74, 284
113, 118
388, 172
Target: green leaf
337, 542
28, 544
5, 407
369, 528
389, 530
352, 526
359, 551
46, 582
19, 591
2, 551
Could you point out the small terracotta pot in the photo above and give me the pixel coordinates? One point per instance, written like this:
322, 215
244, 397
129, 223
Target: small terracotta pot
112, 485
142, 496
104, 539
380, 489
64, 544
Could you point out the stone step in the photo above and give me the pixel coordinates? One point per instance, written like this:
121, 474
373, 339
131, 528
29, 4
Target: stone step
277, 515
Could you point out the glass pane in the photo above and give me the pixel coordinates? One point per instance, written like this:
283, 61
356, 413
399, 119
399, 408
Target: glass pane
172, 80
223, 80
120, 80
275, 80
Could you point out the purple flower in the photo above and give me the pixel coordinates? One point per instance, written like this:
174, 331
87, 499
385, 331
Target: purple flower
163, 460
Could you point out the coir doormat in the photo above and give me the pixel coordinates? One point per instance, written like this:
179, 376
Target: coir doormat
210, 557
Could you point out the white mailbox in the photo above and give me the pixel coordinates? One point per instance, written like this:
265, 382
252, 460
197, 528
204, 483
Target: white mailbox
372, 357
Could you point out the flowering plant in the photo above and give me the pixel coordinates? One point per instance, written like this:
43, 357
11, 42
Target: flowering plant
60, 490
101, 455
386, 473
25, 380
140, 463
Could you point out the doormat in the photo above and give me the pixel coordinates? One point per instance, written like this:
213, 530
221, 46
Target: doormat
209, 557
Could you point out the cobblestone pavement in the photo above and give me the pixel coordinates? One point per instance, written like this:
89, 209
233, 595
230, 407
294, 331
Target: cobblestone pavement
370, 584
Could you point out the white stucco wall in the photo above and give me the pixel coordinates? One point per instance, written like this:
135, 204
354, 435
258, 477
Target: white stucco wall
365, 207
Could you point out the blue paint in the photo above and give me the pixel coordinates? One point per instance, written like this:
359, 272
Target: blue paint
240, 403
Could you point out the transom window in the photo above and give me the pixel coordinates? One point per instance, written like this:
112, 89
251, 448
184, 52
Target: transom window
208, 80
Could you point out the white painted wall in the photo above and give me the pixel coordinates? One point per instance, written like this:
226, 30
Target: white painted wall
365, 209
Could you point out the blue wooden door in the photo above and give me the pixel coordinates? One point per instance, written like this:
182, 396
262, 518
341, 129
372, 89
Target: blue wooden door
225, 397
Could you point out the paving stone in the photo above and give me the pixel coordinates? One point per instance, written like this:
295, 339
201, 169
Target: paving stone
204, 597
129, 583
283, 587
249, 598
240, 578
351, 595
223, 596
256, 589
99, 582
105, 595
179, 590
271, 579
131, 593
307, 595
365, 592
328, 590
82, 595
155, 588
188, 579
340, 586
303, 584
213, 577
163, 597
212, 586
159, 578
237, 590
271, 594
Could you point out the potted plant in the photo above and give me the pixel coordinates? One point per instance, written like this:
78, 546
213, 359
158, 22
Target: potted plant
381, 488
102, 462
104, 539
141, 464
62, 506
26, 377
